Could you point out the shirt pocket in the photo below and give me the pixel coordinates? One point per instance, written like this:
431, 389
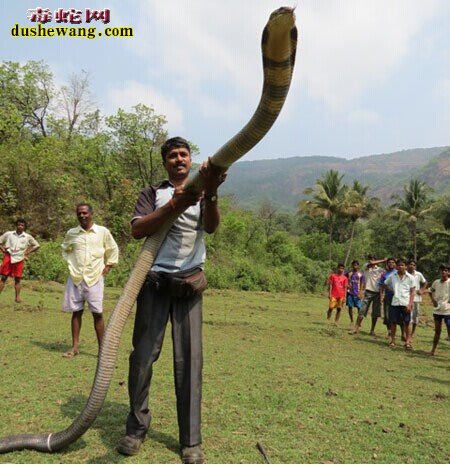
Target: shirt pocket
97, 253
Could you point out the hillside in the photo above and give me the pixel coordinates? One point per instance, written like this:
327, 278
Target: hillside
282, 181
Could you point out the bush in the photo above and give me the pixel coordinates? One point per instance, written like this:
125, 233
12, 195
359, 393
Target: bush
277, 266
47, 263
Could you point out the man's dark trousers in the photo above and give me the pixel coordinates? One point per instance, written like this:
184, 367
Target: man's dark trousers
154, 307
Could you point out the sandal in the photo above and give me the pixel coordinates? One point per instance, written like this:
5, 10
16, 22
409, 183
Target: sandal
71, 353
408, 347
392, 345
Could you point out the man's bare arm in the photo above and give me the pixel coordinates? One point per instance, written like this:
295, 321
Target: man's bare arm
149, 224
212, 177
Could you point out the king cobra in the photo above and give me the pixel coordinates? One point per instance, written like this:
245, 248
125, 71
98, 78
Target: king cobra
279, 41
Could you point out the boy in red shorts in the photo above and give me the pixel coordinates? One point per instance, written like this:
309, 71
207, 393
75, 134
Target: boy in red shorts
16, 246
337, 289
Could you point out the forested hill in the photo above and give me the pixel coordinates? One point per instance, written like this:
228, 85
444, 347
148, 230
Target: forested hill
282, 181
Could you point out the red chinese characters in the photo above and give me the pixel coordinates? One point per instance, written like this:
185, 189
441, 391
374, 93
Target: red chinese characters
98, 15
71, 15
39, 15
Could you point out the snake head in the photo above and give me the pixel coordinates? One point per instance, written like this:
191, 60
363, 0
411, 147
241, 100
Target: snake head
284, 13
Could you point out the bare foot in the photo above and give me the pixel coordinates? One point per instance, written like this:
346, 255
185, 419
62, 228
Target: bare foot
71, 353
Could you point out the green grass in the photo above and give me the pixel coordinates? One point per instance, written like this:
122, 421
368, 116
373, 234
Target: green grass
274, 372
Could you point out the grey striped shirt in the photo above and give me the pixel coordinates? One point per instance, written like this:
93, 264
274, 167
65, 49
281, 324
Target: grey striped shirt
184, 246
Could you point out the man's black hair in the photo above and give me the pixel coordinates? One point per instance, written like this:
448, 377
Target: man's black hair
400, 261
390, 259
173, 143
355, 262
444, 266
84, 204
21, 220
341, 265
412, 261
370, 257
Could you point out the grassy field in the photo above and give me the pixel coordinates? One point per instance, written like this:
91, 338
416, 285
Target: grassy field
275, 371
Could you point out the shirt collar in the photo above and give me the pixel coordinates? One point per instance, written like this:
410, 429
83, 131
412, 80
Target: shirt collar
19, 235
164, 183
94, 229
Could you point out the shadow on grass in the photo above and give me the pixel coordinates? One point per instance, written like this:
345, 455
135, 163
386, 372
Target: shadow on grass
379, 341
421, 354
435, 380
110, 424
59, 347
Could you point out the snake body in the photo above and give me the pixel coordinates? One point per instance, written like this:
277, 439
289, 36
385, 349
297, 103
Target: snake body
279, 41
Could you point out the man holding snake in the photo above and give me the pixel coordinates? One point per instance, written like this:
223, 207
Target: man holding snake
173, 289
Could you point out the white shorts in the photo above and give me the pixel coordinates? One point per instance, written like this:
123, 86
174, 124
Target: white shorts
415, 313
76, 296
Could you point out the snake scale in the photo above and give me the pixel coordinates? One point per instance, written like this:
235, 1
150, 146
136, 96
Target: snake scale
279, 42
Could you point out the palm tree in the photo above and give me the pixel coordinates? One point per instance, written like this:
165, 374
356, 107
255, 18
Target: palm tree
358, 206
328, 200
413, 207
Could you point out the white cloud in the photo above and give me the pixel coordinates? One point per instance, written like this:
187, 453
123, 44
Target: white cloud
211, 56
442, 90
348, 47
364, 117
132, 93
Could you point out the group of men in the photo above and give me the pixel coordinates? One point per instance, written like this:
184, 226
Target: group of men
173, 288
90, 252
397, 287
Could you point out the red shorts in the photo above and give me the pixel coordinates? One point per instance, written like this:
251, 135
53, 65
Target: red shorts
11, 269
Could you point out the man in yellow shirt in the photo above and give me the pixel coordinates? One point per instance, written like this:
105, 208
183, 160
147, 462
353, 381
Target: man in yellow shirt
90, 252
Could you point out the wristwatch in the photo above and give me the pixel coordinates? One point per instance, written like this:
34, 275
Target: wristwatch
211, 198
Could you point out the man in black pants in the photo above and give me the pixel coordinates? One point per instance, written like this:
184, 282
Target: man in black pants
172, 289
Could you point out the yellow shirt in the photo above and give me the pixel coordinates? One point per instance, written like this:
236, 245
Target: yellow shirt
17, 244
87, 253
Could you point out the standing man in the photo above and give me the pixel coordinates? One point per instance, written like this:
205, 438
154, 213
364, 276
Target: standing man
372, 274
356, 283
90, 252
420, 283
337, 288
440, 296
386, 294
16, 246
173, 289
402, 286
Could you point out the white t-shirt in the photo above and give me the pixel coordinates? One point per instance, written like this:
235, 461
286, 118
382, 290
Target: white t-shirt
441, 293
401, 285
17, 244
372, 277
418, 280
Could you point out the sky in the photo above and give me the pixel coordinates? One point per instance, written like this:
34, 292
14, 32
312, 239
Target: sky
370, 77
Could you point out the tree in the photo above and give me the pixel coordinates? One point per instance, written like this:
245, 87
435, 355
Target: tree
76, 99
267, 213
30, 89
138, 135
413, 207
328, 201
358, 206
